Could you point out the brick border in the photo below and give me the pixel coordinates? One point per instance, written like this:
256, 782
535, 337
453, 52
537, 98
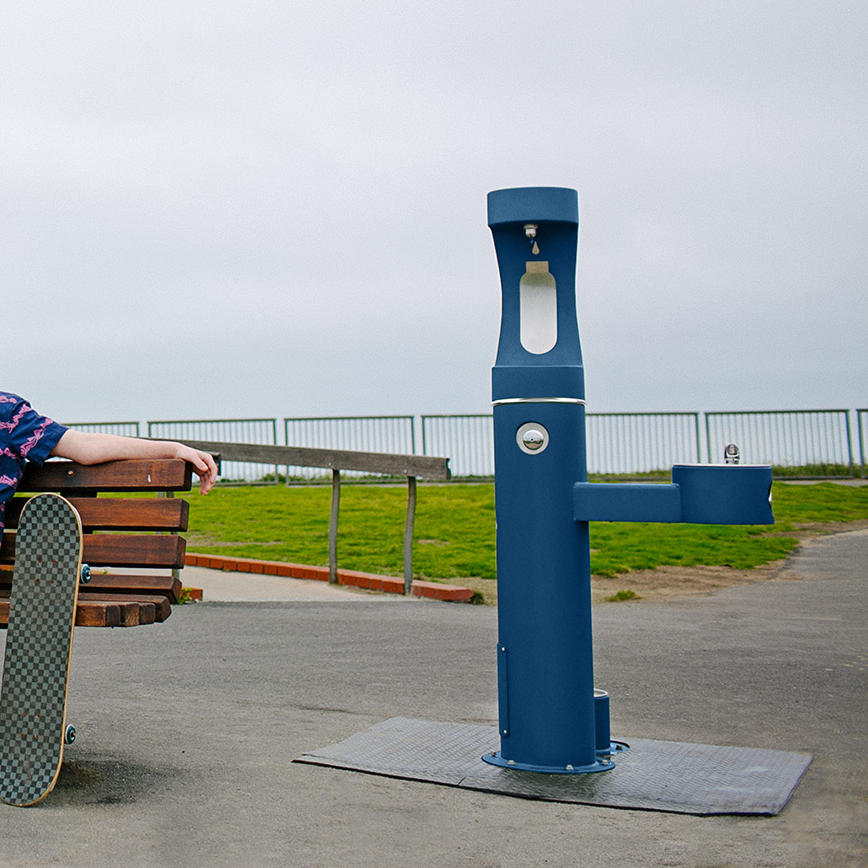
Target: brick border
369, 581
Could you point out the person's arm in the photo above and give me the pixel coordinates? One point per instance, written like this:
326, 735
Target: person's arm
90, 448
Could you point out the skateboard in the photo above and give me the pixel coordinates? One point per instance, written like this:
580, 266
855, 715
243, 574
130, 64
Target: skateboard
45, 582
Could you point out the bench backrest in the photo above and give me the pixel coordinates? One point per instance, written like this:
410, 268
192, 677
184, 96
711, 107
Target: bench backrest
136, 532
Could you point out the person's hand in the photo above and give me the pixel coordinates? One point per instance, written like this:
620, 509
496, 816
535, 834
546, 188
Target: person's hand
204, 464
88, 447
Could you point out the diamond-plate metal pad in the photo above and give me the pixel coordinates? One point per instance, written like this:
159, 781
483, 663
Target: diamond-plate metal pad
38, 644
651, 775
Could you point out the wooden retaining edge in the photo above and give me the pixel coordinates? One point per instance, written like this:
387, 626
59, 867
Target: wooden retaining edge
354, 578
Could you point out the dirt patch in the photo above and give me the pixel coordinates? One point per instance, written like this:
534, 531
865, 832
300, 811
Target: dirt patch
669, 582
806, 530
672, 582
654, 585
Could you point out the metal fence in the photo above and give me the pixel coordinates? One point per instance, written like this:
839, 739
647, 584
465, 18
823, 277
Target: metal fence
637, 443
122, 429
618, 443
392, 434
259, 431
805, 443
467, 440
815, 442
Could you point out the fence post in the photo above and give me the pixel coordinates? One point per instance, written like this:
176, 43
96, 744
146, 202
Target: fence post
850, 443
707, 439
408, 535
333, 527
861, 430
274, 441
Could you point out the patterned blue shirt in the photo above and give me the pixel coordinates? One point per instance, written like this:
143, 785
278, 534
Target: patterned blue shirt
24, 436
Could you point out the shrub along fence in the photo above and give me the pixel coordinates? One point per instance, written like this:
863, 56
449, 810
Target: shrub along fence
797, 443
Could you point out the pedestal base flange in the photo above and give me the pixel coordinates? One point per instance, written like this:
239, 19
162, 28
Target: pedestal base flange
601, 765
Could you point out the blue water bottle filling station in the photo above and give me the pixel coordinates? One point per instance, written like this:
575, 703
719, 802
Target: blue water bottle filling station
553, 737
544, 503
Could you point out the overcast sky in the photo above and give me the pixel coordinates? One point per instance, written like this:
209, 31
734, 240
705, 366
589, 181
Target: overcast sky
225, 209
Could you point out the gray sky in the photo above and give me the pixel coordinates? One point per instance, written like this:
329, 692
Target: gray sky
220, 209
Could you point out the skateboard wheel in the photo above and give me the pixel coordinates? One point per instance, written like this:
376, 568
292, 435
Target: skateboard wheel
85, 574
69, 735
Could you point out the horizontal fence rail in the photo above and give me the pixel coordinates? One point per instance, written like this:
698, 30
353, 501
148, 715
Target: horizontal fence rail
259, 431
410, 466
389, 464
381, 434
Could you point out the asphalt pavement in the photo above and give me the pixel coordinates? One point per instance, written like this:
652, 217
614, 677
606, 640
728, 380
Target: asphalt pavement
187, 729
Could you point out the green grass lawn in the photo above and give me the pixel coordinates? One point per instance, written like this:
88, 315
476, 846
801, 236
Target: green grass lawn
455, 529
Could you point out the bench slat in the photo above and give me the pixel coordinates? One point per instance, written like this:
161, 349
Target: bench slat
126, 583
165, 587
156, 607
119, 550
96, 613
128, 475
133, 550
135, 610
109, 610
111, 513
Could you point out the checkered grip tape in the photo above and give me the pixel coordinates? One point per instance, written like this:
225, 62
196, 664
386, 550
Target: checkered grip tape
35, 670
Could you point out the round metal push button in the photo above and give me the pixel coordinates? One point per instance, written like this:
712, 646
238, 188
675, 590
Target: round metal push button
532, 438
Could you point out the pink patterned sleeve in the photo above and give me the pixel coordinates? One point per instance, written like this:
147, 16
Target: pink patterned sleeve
29, 435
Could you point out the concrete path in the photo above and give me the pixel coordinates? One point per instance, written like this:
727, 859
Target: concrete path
188, 729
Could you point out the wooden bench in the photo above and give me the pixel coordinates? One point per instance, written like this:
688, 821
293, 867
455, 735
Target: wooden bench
130, 532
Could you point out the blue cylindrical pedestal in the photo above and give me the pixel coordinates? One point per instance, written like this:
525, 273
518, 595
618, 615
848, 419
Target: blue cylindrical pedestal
545, 654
